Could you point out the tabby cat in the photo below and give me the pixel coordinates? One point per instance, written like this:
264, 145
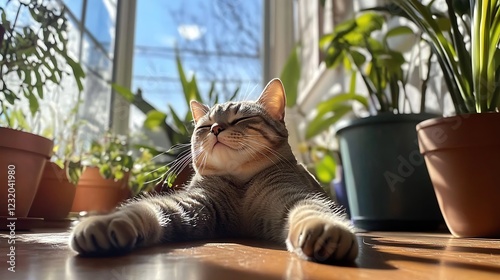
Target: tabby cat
247, 184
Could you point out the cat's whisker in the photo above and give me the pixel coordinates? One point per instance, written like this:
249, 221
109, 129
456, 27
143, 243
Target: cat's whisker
204, 162
247, 95
181, 163
177, 147
270, 150
250, 151
258, 151
260, 135
159, 155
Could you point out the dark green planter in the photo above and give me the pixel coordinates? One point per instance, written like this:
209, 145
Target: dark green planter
387, 183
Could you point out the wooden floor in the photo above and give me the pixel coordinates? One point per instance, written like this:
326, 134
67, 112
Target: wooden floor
44, 255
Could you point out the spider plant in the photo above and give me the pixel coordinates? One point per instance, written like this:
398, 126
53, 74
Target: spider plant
471, 73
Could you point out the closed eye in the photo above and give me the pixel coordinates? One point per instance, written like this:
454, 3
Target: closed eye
241, 119
204, 127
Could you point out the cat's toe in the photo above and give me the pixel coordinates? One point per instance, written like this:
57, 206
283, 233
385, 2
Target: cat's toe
322, 241
89, 237
340, 246
122, 233
103, 235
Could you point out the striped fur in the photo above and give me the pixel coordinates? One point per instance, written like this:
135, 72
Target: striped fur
247, 184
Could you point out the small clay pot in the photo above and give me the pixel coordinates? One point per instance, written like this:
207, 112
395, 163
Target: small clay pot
55, 194
94, 193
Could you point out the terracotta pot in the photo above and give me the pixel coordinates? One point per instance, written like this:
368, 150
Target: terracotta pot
462, 154
22, 159
55, 194
97, 194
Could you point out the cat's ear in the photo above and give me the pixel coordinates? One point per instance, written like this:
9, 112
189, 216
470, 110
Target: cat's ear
273, 99
198, 110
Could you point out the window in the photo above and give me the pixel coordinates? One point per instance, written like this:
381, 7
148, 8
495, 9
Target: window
217, 40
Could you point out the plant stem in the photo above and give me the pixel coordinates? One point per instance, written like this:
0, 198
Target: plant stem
424, 84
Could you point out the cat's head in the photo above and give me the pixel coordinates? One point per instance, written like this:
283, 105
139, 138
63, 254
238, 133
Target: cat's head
240, 138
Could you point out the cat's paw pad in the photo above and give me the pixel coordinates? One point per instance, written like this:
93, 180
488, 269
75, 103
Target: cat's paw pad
104, 234
322, 240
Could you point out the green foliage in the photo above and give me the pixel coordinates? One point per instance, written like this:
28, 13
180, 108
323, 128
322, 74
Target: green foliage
146, 174
35, 55
111, 155
353, 46
471, 75
116, 160
290, 76
325, 169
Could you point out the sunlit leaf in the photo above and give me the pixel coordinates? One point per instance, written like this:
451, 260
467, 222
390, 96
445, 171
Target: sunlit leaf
154, 119
290, 76
325, 169
323, 123
124, 92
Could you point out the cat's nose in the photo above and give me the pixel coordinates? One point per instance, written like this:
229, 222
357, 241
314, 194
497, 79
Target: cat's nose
216, 129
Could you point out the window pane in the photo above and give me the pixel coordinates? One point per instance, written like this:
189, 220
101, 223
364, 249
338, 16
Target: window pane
75, 7
218, 40
100, 19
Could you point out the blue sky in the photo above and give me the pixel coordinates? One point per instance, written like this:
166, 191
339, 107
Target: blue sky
160, 23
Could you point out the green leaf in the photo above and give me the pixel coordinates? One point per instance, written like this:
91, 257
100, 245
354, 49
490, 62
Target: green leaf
321, 124
290, 76
154, 120
78, 72
325, 169
234, 95
105, 171
190, 88
10, 96
33, 103
369, 22
74, 171
397, 31
124, 92
358, 58
18, 118
179, 124
338, 101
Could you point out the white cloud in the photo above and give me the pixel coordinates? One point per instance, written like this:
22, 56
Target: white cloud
191, 32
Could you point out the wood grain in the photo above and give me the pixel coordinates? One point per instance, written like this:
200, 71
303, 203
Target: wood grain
384, 255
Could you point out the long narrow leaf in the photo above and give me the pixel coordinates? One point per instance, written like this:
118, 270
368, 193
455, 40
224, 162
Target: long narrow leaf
290, 76
422, 17
338, 101
319, 125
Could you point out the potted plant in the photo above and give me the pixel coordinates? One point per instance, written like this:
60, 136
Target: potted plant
31, 58
386, 179
462, 152
103, 183
57, 188
113, 173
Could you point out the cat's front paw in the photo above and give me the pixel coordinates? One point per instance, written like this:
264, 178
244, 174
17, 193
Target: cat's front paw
322, 240
113, 233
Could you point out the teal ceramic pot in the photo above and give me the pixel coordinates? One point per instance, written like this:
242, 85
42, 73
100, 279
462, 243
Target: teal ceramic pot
388, 186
